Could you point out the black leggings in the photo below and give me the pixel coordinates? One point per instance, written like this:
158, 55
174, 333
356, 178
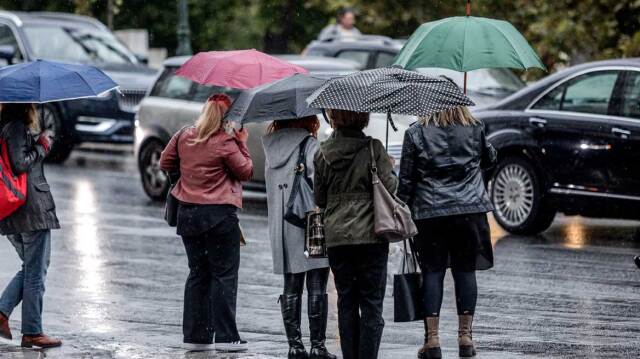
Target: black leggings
316, 282
466, 292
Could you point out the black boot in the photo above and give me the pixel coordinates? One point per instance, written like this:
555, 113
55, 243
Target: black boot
291, 306
637, 260
318, 326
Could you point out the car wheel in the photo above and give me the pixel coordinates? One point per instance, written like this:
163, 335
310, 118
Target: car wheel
62, 144
518, 198
154, 180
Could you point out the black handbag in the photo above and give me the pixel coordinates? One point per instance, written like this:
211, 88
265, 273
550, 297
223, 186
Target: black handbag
172, 203
301, 199
407, 289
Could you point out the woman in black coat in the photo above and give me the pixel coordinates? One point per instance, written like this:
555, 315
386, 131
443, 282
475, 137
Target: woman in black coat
29, 227
441, 180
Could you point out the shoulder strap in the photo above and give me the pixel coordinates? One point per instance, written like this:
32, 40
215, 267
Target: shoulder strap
302, 156
374, 167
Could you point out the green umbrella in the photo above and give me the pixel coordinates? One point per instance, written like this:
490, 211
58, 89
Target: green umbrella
466, 43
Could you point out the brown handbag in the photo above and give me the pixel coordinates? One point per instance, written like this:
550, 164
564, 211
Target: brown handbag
391, 216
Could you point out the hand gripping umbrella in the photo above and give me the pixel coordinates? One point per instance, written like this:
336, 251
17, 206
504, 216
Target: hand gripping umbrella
390, 90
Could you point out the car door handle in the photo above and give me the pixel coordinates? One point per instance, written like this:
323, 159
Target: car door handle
621, 132
537, 122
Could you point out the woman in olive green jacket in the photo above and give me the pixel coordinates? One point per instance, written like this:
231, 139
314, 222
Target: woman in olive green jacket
357, 258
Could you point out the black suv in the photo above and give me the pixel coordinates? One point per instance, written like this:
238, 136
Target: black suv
568, 143
79, 39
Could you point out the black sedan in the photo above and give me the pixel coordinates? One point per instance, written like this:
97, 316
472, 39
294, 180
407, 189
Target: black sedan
569, 143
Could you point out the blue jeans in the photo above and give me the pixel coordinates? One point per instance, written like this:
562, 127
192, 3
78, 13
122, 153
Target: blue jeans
34, 248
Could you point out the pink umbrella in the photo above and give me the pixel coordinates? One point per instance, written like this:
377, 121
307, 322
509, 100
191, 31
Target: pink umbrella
240, 69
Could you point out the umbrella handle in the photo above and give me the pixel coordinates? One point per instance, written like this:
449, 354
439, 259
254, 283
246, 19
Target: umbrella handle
393, 125
324, 115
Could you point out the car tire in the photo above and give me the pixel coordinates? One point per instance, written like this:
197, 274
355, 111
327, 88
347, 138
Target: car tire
518, 197
62, 144
154, 181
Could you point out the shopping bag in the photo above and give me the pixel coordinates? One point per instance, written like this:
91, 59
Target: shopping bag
407, 289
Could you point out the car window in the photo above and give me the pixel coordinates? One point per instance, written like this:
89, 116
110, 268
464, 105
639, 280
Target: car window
172, 86
385, 59
202, 92
486, 81
630, 101
76, 45
7, 38
361, 57
588, 93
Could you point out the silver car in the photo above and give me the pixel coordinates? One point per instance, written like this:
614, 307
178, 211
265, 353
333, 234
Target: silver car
174, 102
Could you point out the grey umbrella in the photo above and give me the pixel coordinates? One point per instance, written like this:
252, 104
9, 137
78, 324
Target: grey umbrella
279, 100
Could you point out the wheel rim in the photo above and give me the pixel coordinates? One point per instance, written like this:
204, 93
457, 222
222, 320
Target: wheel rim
155, 177
513, 194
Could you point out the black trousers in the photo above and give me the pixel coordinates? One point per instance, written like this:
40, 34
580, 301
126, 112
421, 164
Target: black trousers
316, 282
360, 273
211, 289
466, 292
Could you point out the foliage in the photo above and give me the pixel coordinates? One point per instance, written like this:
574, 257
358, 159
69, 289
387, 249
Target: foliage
562, 31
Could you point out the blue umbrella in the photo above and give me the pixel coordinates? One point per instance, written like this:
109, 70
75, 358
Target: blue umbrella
44, 81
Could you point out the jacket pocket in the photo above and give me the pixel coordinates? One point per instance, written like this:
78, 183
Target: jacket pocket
42, 187
43, 196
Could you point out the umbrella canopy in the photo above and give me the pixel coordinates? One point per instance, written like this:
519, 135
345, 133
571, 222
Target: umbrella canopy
466, 43
44, 81
390, 90
240, 69
280, 100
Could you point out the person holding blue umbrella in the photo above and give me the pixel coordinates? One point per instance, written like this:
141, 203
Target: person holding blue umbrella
24, 144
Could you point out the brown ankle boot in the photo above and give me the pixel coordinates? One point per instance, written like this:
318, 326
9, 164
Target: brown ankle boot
465, 339
40, 341
431, 347
5, 331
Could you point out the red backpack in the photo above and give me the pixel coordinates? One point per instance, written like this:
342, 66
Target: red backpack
13, 189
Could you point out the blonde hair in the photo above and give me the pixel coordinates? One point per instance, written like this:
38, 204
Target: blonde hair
459, 116
210, 120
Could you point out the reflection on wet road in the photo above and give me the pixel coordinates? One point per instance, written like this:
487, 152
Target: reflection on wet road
117, 274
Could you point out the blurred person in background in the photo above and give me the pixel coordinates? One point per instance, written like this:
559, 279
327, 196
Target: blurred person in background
344, 28
212, 159
29, 227
358, 259
443, 156
282, 146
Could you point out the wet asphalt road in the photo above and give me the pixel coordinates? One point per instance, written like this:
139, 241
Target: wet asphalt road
116, 279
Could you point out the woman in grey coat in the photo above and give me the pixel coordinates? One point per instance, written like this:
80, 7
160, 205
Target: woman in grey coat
282, 147
29, 227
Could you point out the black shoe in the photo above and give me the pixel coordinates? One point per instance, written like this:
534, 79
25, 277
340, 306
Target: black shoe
291, 307
637, 260
318, 311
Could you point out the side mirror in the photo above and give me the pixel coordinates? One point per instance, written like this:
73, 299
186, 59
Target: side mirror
7, 53
143, 59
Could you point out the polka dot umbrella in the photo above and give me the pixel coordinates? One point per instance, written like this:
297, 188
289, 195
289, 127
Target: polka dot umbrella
389, 90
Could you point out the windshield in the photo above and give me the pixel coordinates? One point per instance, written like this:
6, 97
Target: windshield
76, 45
482, 80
